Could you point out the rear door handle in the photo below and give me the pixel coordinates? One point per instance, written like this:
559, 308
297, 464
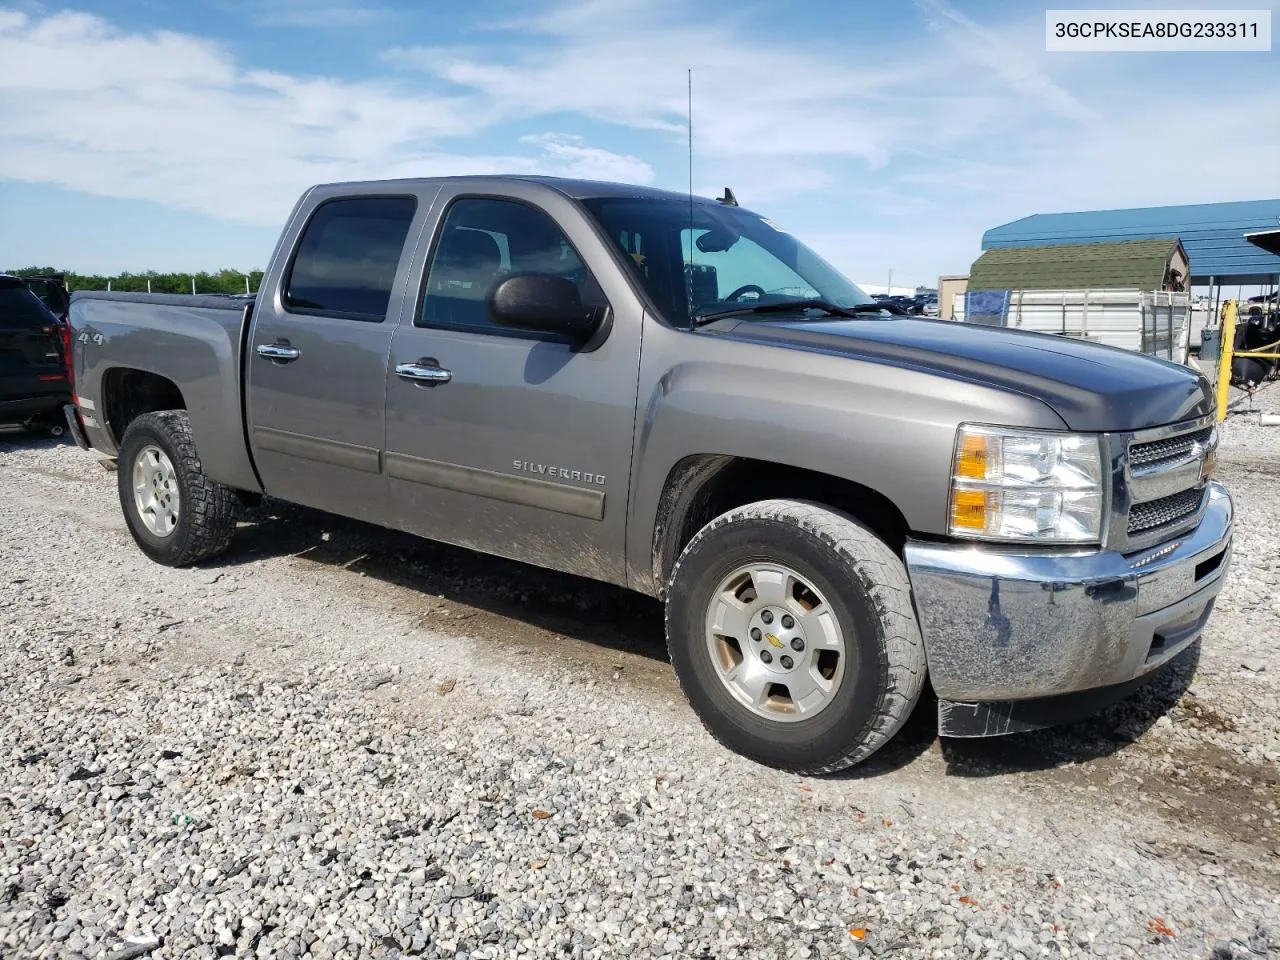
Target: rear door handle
279, 352
424, 371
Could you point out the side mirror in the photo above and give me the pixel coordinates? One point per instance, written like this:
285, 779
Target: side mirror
542, 302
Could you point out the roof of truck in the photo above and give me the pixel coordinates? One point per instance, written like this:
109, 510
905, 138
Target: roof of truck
570, 187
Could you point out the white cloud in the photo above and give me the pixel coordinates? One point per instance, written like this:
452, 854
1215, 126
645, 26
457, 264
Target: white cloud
894, 152
918, 145
619, 62
1005, 57
774, 119
175, 119
590, 163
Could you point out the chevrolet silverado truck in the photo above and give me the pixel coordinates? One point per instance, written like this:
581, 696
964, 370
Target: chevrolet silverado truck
675, 395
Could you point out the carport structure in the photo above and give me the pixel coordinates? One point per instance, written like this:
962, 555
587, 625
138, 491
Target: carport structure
1235, 243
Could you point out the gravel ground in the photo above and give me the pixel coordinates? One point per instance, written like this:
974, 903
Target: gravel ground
342, 742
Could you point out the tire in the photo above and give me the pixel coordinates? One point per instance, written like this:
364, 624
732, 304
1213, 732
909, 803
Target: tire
872, 658
194, 517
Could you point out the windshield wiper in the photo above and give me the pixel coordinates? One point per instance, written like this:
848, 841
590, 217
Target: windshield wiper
790, 306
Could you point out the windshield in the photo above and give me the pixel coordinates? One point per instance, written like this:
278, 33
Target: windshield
695, 263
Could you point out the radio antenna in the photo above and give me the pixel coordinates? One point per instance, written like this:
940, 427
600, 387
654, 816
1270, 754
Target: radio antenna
690, 122
689, 277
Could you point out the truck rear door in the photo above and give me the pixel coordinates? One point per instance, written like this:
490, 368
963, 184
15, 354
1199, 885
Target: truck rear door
506, 441
318, 353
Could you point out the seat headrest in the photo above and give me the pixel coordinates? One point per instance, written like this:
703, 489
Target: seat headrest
470, 250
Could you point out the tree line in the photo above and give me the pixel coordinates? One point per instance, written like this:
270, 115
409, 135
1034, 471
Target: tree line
223, 281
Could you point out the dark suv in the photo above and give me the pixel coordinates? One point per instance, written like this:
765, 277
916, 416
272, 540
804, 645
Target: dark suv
34, 381
52, 291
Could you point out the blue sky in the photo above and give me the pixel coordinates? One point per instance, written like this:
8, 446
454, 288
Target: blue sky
140, 134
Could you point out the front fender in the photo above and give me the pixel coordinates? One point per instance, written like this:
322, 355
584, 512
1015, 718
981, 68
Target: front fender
885, 427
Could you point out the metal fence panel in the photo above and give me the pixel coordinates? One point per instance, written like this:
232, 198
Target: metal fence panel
1151, 322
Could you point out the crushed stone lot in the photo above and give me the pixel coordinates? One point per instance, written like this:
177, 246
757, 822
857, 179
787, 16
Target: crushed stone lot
338, 741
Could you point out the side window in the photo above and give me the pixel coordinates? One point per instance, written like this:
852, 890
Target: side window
347, 258
482, 241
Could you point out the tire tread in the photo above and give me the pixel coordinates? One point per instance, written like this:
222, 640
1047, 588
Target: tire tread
884, 578
210, 505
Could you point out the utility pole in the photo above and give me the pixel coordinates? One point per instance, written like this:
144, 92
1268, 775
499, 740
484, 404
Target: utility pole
193, 286
889, 289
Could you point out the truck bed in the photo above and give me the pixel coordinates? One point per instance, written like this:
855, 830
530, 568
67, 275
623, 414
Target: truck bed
194, 342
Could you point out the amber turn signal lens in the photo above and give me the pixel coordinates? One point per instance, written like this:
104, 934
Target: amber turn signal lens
969, 509
971, 458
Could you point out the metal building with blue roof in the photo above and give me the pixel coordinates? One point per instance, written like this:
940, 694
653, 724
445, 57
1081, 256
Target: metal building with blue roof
1227, 243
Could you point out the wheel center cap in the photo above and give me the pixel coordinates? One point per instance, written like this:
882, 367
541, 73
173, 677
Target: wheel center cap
778, 639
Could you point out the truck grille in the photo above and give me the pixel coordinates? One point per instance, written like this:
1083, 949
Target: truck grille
1166, 477
1146, 517
1146, 455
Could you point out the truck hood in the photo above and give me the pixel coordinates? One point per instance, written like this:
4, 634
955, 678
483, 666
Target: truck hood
1092, 387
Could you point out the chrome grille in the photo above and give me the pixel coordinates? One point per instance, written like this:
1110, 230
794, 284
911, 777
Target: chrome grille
1160, 492
1146, 455
1146, 517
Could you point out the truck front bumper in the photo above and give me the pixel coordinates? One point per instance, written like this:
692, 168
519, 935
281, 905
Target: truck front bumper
1003, 628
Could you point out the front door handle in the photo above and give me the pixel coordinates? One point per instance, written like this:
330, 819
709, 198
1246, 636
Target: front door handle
279, 352
423, 371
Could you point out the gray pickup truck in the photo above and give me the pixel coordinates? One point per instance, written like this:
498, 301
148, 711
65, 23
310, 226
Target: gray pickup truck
677, 396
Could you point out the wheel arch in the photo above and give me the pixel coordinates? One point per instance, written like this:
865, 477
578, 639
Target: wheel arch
128, 393
701, 487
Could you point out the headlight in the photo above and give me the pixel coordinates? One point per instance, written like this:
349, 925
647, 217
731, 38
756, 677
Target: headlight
1020, 485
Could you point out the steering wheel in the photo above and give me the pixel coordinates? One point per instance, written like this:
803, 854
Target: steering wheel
745, 288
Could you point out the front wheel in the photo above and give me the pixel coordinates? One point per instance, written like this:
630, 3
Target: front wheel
176, 514
792, 633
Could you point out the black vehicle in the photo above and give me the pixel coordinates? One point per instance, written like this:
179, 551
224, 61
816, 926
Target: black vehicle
34, 381
891, 303
52, 291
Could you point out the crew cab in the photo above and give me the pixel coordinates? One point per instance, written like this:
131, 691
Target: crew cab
675, 395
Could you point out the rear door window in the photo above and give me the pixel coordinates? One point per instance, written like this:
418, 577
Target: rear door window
28, 331
346, 261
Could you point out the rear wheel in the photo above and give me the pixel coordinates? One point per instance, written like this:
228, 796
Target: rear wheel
791, 630
176, 514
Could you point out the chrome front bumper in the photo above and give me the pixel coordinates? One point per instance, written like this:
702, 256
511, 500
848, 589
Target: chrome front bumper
1006, 626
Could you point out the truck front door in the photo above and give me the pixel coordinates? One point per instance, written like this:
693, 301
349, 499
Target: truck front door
318, 356
514, 443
